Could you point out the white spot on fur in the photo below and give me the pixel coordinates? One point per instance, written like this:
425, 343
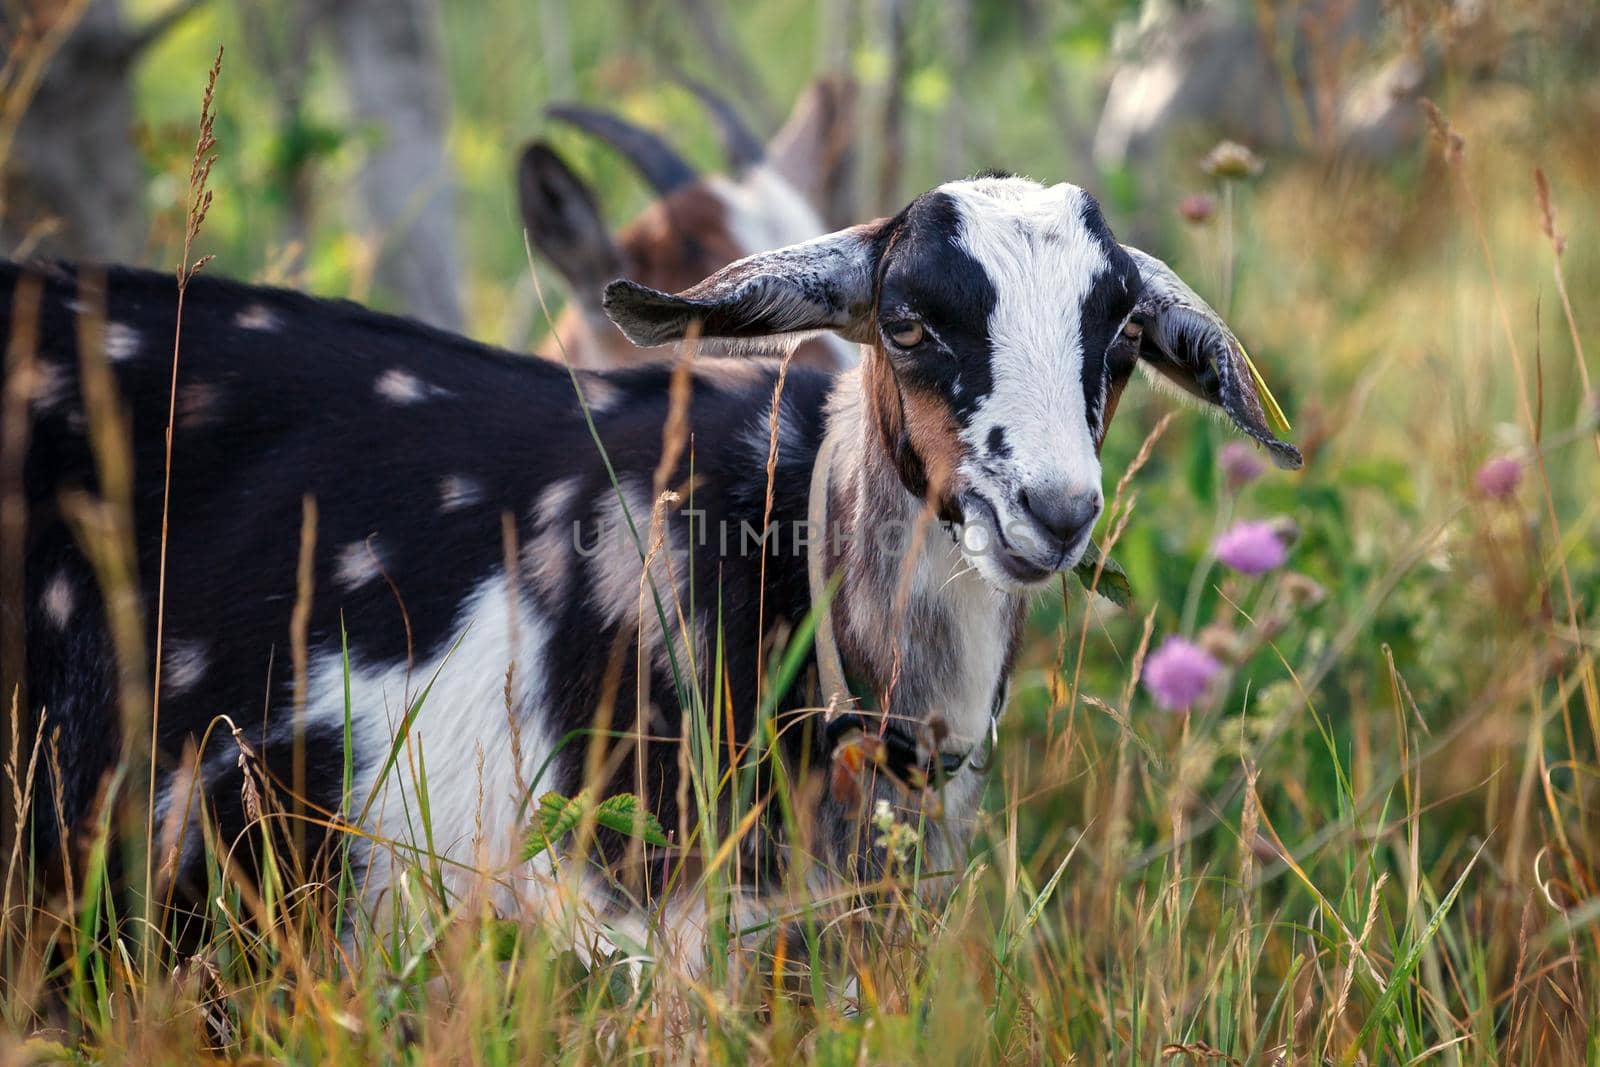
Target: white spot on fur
197, 405
399, 387
122, 341
555, 503
48, 387
358, 563
600, 395
256, 317
466, 739
402, 387
458, 491
616, 568
184, 663
58, 600
547, 558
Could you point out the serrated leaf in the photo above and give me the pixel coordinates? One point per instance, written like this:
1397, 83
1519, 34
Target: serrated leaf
625, 815
559, 815
1114, 584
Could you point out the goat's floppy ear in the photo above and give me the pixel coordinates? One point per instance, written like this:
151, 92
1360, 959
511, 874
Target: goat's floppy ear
564, 224
1189, 344
823, 284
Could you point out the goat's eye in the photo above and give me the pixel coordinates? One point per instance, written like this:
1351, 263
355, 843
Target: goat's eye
1132, 330
905, 333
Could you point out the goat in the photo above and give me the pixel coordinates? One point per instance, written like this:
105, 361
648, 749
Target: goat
472, 542
698, 223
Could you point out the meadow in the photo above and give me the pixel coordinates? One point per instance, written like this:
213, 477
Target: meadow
1374, 837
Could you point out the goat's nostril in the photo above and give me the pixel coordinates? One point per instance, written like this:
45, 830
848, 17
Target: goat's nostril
1064, 516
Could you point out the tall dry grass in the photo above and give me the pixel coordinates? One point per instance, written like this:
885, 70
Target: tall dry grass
1375, 842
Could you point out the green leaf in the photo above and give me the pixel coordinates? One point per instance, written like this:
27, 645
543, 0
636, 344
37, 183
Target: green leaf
624, 814
1114, 584
558, 816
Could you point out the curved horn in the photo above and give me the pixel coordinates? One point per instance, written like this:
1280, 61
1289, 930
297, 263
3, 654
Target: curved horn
739, 142
658, 162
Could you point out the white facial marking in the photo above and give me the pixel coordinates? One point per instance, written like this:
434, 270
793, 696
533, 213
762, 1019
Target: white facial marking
358, 563
256, 317
58, 600
458, 491
184, 663
1043, 262
122, 341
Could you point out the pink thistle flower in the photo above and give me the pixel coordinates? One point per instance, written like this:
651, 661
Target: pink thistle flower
1499, 477
1197, 207
1251, 547
1178, 674
1241, 464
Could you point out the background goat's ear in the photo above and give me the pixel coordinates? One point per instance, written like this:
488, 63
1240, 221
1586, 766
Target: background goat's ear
824, 284
815, 149
564, 224
1189, 344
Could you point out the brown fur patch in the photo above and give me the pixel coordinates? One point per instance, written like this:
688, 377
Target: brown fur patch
679, 239
918, 431
1113, 396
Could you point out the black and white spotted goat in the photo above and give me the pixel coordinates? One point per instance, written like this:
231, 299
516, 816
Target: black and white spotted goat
998, 320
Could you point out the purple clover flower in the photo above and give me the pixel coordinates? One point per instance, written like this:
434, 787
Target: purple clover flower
1251, 547
1499, 477
1241, 464
1178, 674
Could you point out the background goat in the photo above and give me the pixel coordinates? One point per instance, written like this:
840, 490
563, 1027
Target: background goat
773, 196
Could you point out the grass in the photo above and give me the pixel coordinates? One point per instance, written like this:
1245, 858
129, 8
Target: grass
1375, 843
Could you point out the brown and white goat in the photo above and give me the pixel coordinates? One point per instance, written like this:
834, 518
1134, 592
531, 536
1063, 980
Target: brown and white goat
489, 564
698, 223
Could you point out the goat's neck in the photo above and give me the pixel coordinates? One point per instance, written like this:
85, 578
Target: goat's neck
915, 621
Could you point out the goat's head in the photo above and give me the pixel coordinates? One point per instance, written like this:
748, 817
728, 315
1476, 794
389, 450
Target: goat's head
1001, 320
697, 224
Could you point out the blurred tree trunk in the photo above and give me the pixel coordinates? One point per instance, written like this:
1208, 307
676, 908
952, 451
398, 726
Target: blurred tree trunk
74, 185
278, 40
392, 71
1072, 128
892, 129
561, 83
956, 26
711, 28
836, 23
